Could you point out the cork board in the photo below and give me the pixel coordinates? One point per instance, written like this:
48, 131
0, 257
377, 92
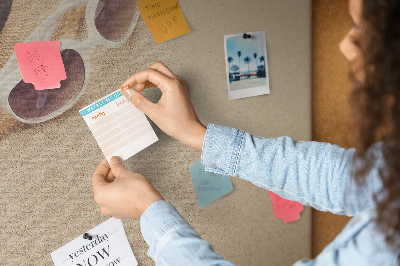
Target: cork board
331, 110
47, 198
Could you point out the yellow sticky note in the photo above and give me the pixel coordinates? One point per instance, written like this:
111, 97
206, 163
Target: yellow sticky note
164, 18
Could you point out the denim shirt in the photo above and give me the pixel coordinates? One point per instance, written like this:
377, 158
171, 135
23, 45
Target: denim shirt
312, 173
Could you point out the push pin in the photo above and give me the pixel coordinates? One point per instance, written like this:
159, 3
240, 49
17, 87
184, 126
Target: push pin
125, 88
87, 236
246, 36
128, 91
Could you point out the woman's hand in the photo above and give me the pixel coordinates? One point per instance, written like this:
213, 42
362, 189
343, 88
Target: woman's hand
126, 197
174, 112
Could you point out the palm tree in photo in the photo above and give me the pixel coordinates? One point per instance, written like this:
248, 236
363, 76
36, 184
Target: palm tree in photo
255, 59
247, 60
262, 59
239, 54
230, 60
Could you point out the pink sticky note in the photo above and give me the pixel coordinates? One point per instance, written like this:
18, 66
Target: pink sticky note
284, 209
41, 63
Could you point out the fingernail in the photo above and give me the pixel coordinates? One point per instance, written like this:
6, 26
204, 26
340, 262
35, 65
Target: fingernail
129, 92
115, 160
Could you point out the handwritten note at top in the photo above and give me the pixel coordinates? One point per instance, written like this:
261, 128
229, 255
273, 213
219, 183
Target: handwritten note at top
164, 18
284, 209
41, 64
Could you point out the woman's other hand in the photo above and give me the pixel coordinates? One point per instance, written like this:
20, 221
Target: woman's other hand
126, 197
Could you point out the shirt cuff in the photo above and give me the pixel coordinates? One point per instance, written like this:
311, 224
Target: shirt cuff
158, 219
222, 148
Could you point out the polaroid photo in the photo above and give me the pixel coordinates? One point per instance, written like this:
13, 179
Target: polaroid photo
246, 65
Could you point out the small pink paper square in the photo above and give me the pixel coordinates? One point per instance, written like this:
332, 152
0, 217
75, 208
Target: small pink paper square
284, 209
41, 63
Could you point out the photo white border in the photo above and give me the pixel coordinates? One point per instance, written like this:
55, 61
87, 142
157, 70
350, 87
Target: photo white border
248, 92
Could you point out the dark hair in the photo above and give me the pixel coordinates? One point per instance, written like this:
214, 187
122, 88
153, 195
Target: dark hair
375, 102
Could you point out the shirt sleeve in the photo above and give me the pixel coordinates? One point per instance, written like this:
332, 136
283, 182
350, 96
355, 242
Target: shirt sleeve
312, 173
360, 243
172, 241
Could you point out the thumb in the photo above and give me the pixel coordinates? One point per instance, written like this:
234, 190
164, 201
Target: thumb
100, 174
139, 101
117, 168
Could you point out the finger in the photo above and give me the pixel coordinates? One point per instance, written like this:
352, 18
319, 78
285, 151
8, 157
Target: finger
100, 174
105, 210
159, 80
117, 167
142, 86
160, 67
140, 102
139, 87
110, 177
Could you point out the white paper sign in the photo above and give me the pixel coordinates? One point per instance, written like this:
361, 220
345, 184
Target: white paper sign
118, 126
108, 247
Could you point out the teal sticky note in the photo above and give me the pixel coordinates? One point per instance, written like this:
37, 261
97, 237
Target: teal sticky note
209, 186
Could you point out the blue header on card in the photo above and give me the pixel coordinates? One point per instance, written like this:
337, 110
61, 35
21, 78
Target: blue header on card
100, 103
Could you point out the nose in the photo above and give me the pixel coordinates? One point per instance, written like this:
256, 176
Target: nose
348, 48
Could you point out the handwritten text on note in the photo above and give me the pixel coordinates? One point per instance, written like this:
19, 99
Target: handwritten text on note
164, 18
41, 64
209, 186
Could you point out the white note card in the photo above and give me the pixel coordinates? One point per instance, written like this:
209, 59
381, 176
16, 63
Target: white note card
118, 126
108, 247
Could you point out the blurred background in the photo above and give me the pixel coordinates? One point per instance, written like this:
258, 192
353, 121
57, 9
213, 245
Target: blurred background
331, 89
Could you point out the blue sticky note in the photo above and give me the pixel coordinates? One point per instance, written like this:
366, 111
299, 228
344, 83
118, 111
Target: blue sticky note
209, 186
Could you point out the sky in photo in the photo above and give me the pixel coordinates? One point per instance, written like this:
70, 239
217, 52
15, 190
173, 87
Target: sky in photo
248, 47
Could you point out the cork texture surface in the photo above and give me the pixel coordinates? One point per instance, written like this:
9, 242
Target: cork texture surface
331, 89
47, 199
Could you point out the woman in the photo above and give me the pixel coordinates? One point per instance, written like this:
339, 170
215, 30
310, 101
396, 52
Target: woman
316, 174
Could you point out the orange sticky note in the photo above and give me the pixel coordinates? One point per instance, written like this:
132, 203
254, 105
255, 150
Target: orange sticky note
284, 209
41, 64
164, 18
